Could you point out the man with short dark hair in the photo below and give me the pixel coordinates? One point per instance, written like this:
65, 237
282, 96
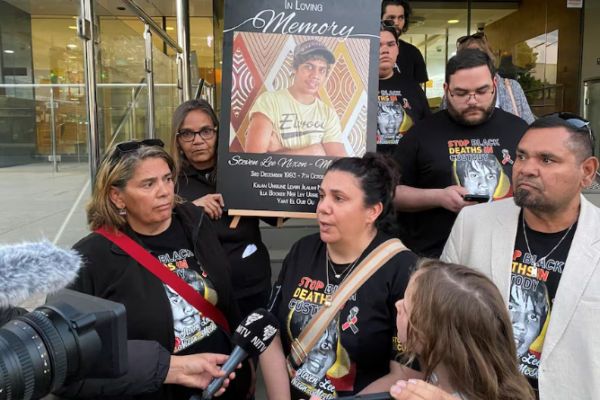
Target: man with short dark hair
410, 62
294, 120
471, 137
401, 102
542, 250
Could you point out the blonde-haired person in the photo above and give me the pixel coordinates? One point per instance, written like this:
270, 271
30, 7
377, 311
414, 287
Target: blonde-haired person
511, 97
134, 195
454, 320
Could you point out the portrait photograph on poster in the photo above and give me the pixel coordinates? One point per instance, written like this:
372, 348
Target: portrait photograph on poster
299, 90
312, 98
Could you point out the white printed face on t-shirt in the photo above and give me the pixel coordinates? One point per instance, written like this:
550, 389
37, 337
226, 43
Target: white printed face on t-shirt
185, 317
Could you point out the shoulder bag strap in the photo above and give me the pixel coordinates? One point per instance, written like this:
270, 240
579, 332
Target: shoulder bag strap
146, 259
512, 98
314, 329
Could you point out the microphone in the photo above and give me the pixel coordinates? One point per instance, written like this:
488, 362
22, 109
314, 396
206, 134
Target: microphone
252, 337
35, 268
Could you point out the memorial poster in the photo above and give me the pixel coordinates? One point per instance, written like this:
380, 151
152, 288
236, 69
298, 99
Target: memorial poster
299, 90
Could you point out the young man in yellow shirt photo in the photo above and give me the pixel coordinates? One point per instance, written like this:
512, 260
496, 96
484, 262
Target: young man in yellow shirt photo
294, 120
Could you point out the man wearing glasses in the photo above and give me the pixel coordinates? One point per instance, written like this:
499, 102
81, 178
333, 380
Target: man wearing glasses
457, 157
294, 120
542, 250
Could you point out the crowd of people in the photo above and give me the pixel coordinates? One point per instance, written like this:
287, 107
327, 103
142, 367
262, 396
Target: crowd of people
459, 260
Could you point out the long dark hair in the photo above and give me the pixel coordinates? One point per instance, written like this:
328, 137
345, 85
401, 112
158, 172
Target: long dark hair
179, 116
378, 176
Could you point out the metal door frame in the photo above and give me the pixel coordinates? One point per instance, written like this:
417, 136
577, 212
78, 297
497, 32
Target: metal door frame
87, 30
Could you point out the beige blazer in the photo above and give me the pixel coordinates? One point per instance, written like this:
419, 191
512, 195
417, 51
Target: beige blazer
483, 238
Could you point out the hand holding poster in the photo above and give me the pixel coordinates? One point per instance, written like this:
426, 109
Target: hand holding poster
301, 90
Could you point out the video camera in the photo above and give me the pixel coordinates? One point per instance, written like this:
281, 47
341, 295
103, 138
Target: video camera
70, 338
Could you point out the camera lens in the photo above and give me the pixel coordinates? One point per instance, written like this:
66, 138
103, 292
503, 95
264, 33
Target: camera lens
70, 338
34, 354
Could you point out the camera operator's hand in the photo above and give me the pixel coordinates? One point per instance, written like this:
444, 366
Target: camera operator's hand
197, 370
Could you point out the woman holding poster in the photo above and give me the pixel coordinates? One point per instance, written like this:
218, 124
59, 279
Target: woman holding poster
194, 148
357, 351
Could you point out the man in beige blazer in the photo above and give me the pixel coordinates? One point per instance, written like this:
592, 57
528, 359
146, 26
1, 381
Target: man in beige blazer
542, 249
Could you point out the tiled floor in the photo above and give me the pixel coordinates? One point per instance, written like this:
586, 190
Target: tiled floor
37, 203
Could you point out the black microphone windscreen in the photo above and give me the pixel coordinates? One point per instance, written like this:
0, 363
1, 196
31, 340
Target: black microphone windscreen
256, 332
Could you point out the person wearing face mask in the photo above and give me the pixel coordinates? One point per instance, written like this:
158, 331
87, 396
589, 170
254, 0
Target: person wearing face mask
468, 149
357, 350
194, 147
410, 63
134, 199
401, 102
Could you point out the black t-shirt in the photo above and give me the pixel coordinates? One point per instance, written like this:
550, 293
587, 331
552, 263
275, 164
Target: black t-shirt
410, 62
438, 152
194, 333
356, 349
532, 291
401, 104
247, 254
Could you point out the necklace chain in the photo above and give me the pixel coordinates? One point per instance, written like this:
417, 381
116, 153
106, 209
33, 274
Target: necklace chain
539, 262
329, 264
349, 267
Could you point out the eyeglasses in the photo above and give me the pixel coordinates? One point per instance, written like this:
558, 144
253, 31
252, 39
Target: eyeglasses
478, 96
205, 133
577, 122
128, 147
477, 35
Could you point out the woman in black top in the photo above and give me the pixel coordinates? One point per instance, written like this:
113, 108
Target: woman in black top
357, 352
134, 195
194, 146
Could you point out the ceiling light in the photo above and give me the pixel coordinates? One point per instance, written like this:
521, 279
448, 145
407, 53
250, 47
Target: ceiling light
72, 57
9, 51
72, 27
209, 40
170, 28
130, 58
453, 21
71, 46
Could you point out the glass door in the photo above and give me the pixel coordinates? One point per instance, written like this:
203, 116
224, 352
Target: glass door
591, 108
